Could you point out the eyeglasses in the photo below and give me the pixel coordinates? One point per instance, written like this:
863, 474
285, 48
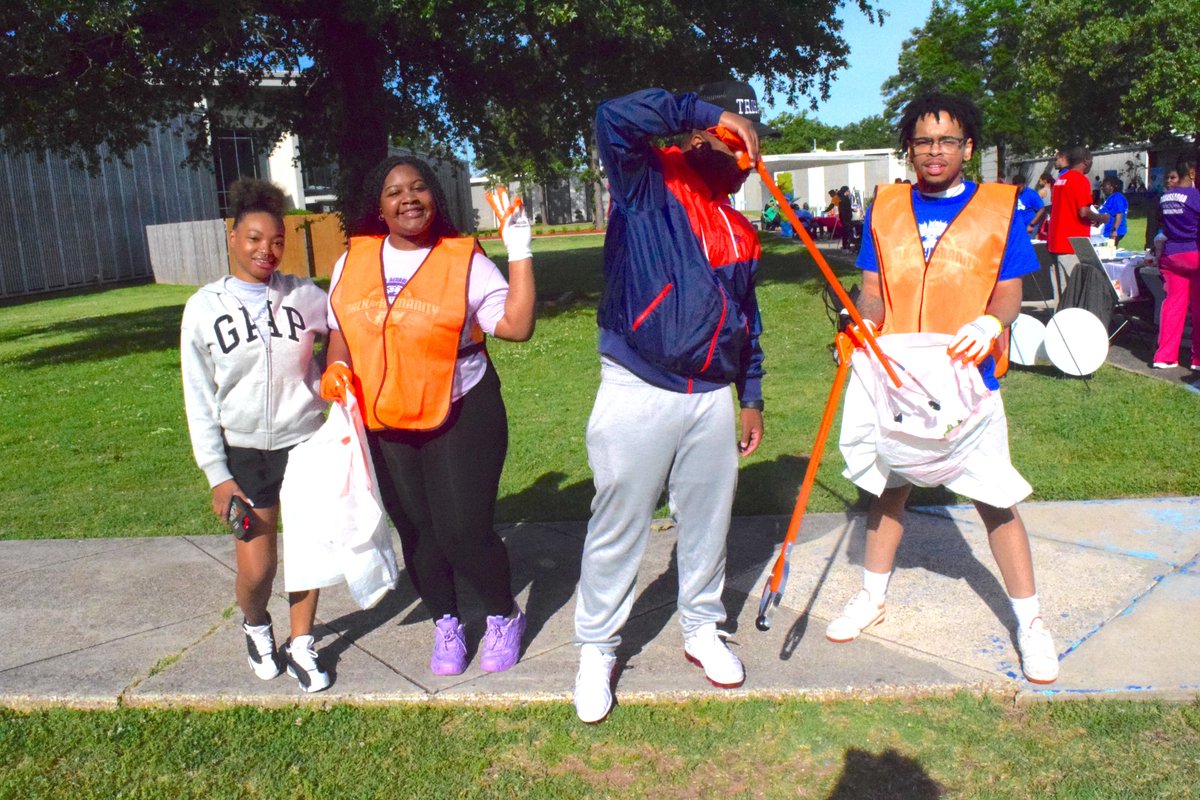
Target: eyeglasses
946, 144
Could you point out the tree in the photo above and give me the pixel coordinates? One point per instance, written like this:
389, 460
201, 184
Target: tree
868, 133
799, 134
520, 79
1103, 71
583, 54
971, 48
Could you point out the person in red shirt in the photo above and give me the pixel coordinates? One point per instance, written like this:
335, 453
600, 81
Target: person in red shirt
1071, 212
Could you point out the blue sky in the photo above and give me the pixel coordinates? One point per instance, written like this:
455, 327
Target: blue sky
854, 93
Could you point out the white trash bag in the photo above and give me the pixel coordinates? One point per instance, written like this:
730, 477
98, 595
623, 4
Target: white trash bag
334, 525
926, 428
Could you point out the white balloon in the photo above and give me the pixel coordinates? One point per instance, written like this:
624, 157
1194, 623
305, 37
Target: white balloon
1028, 339
1076, 341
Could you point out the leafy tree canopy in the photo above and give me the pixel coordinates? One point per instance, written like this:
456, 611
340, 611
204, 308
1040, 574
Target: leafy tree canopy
1052, 73
1103, 71
801, 134
970, 48
520, 80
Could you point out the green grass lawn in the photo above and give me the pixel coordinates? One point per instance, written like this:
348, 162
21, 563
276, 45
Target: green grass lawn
963, 747
97, 444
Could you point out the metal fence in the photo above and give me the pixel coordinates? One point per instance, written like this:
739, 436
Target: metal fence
62, 228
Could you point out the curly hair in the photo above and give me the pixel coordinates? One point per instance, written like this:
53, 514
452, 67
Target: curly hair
252, 195
934, 104
373, 185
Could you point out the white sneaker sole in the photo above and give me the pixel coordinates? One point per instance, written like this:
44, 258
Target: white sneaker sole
691, 658
612, 701
877, 621
1039, 681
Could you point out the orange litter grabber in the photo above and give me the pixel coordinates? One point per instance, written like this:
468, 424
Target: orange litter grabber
735, 143
845, 343
834, 283
773, 590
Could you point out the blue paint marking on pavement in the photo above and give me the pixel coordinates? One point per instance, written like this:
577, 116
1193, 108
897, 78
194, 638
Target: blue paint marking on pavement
1136, 599
1133, 687
1180, 520
1145, 555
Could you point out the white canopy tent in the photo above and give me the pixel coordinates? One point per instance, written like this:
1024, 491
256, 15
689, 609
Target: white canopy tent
815, 173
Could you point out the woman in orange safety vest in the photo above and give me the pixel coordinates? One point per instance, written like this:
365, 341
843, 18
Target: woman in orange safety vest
408, 311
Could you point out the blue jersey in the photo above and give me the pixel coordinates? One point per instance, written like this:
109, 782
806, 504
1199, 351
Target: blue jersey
934, 215
1113, 205
1029, 203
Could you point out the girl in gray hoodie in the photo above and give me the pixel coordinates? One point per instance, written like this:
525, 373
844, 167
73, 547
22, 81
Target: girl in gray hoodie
250, 386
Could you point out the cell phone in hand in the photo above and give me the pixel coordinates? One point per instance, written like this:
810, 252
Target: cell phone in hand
239, 518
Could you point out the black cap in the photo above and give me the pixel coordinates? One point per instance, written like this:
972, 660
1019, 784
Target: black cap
739, 98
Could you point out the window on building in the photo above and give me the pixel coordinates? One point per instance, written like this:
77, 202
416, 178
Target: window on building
235, 155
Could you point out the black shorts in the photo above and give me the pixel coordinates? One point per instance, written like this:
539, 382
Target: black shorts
258, 472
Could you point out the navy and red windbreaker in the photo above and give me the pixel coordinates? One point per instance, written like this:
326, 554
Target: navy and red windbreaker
679, 309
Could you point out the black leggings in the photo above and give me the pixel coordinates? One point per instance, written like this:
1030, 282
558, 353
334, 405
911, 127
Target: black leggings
439, 487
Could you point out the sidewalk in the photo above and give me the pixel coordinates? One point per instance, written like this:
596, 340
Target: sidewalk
151, 622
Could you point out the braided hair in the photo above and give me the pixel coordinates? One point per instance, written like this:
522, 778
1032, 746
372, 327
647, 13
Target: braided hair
934, 104
442, 227
253, 195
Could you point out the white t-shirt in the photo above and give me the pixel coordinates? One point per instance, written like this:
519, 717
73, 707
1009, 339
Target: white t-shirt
487, 292
253, 296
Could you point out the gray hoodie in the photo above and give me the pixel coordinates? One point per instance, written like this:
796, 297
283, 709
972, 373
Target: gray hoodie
251, 391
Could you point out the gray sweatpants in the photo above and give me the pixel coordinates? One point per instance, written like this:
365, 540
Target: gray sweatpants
638, 438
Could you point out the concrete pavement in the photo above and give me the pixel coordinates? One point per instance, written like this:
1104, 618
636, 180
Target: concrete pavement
152, 622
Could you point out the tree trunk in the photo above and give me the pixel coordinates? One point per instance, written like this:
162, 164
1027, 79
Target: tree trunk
1001, 157
599, 212
355, 63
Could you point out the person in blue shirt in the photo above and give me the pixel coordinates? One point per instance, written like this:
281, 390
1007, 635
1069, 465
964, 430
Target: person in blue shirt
1117, 208
806, 218
1029, 204
968, 289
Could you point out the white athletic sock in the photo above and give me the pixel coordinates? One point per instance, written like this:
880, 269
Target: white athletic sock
876, 584
1027, 609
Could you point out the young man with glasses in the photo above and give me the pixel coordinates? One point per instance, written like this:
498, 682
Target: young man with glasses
944, 256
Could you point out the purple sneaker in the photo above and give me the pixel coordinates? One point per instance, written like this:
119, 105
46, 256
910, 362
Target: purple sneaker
501, 643
449, 647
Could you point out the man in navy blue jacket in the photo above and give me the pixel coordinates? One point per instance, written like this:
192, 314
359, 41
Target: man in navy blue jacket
678, 324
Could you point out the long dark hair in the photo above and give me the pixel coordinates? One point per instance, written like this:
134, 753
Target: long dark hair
442, 224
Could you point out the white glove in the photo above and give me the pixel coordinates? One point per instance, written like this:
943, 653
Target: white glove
856, 332
515, 231
974, 340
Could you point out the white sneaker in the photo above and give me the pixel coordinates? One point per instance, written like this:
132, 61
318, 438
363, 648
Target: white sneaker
858, 615
1039, 660
593, 684
261, 654
707, 649
302, 664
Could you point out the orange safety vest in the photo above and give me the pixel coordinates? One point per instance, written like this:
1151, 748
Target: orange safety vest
956, 284
404, 353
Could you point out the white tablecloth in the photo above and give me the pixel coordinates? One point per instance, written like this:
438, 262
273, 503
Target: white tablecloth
1123, 274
